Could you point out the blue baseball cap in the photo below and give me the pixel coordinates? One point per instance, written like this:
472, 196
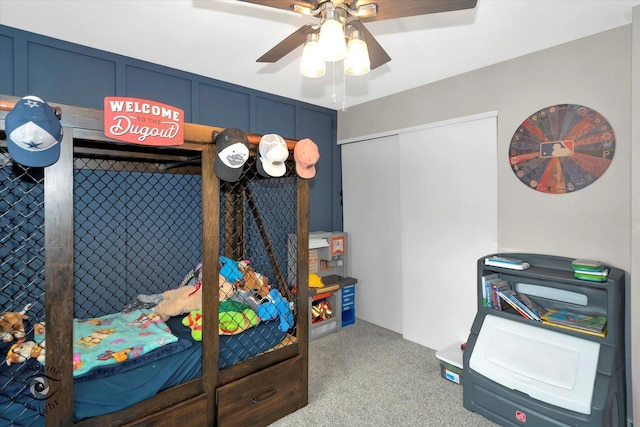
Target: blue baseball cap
33, 133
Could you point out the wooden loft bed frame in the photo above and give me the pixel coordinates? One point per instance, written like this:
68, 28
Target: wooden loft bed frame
221, 397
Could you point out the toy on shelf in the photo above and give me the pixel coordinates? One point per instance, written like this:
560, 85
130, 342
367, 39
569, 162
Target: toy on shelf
320, 311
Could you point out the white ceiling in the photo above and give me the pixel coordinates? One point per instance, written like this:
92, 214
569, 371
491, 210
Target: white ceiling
222, 39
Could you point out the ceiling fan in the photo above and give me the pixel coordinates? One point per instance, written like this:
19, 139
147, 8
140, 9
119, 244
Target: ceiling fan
351, 14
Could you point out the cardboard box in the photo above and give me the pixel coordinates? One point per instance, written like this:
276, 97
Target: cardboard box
451, 363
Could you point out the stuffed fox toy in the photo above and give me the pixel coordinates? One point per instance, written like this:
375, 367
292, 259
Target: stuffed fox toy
12, 325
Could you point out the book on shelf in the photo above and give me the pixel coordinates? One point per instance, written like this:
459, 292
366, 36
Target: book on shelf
512, 303
485, 288
504, 262
602, 333
497, 286
535, 308
515, 300
575, 321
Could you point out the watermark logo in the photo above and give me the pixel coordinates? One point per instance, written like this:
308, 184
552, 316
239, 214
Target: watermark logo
43, 387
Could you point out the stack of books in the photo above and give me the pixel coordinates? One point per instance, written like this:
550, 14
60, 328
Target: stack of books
594, 271
524, 305
504, 262
492, 284
588, 324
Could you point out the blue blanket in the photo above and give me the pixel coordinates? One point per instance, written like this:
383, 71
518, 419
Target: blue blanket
116, 338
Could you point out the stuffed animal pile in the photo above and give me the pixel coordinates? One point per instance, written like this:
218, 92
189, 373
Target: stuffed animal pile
12, 325
245, 299
188, 296
249, 302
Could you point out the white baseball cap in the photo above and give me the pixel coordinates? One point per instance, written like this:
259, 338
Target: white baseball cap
273, 155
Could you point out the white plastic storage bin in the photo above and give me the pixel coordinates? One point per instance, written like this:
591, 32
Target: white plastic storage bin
549, 366
451, 363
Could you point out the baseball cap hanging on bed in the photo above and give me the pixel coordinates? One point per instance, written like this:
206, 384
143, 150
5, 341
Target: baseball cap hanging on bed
33, 133
273, 155
233, 152
306, 155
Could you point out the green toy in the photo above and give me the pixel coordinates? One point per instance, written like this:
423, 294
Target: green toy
233, 316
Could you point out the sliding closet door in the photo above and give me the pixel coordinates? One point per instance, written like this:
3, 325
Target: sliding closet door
448, 205
370, 182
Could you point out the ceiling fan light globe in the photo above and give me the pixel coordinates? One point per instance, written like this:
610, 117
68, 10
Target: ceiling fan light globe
357, 62
332, 41
312, 62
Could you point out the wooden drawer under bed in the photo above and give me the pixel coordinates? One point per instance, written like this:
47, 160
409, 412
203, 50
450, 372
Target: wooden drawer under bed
194, 410
264, 397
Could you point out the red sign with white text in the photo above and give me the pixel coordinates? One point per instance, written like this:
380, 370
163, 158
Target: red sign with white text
140, 121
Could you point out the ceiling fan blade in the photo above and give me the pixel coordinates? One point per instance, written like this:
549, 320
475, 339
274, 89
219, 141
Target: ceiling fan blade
294, 40
391, 9
377, 54
281, 4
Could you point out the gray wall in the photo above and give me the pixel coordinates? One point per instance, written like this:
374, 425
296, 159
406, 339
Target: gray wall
592, 223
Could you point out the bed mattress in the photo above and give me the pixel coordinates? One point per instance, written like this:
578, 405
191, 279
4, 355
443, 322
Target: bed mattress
107, 390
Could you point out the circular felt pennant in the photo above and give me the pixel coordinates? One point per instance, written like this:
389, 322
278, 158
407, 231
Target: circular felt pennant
562, 148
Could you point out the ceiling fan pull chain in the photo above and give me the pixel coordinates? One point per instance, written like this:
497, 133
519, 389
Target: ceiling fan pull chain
344, 89
333, 78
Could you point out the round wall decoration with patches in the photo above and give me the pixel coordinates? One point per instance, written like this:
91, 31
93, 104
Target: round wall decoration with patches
562, 148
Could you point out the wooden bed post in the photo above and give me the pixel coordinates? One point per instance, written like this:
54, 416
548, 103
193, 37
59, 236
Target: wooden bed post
303, 283
58, 247
210, 269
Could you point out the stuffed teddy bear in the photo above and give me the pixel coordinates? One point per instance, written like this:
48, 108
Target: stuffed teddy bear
12, 325
253, 288
188, 298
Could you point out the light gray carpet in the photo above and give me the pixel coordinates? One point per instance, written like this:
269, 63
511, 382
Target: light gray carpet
365, 375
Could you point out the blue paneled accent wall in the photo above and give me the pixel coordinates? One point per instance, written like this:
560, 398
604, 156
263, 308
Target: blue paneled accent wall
68, 73
323, 186
6, 64
233, 110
